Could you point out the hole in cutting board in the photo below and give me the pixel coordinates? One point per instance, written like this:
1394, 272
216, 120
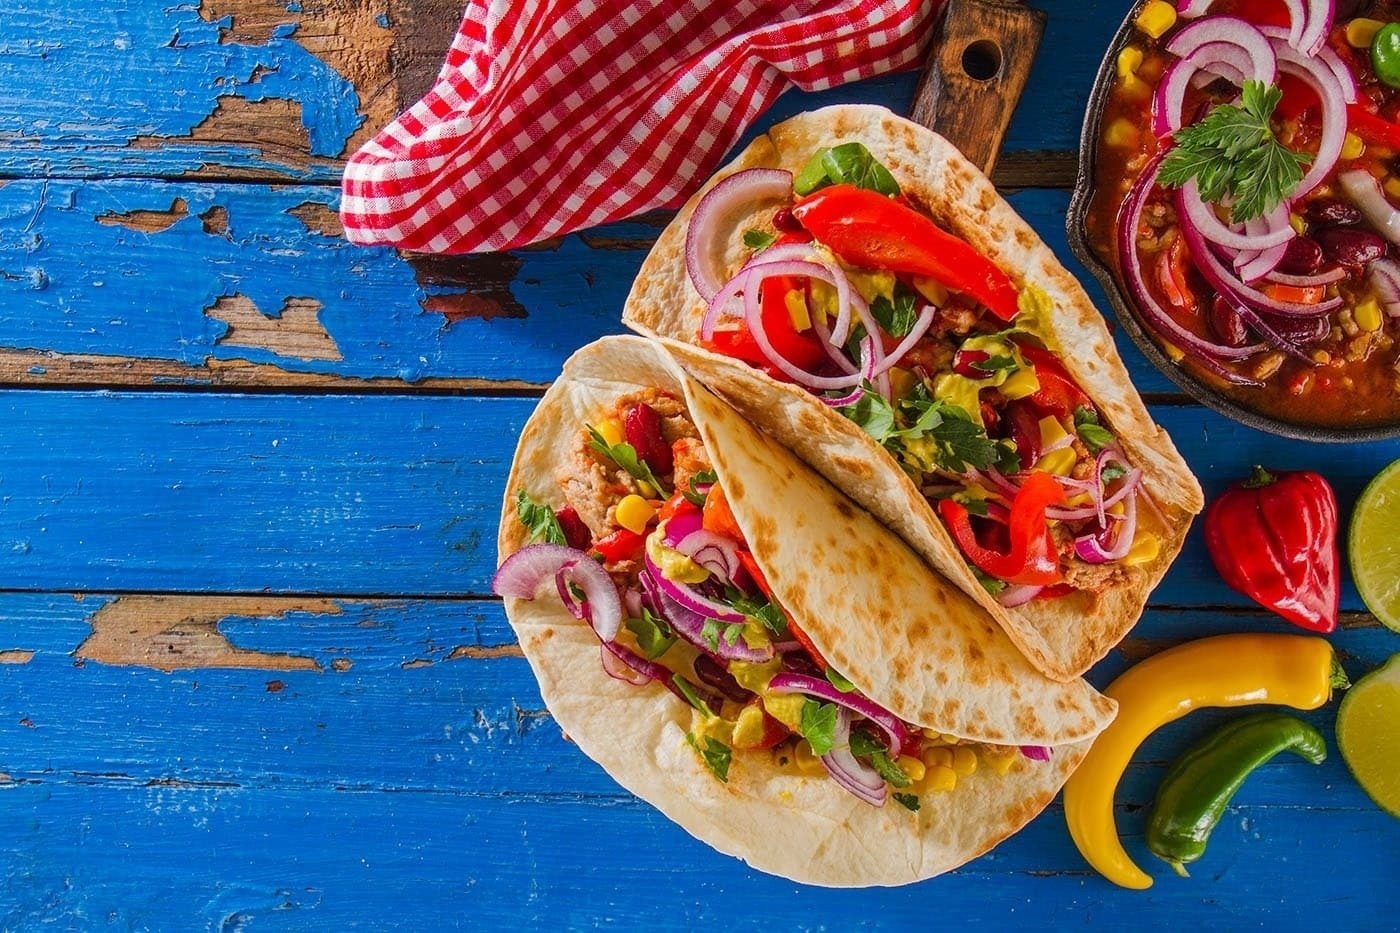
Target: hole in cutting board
982, 60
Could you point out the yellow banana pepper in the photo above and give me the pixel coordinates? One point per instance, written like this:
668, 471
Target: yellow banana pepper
1223, 670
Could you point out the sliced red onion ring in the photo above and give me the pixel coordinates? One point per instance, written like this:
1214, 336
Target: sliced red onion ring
1274, 336
1253, 264
1095, 548
1316, 23
1277, 231
1339, 69
846, 770
1128, 485
846, 296
1334, 94
715, 552
1018, 595
690, 624
1203, 45
734, 195
867, 355
888, 722
921, 326
617, 664
681, 524
1385, 279
1365, 192
1036, 752
1190, 9
1334, 274
753, 317
523, 573
688, 598
1205, 353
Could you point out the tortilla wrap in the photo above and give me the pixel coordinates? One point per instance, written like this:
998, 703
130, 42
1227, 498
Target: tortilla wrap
908, 641
1063, 636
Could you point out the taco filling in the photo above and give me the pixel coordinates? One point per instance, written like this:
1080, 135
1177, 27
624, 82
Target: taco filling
848, 288
647, 552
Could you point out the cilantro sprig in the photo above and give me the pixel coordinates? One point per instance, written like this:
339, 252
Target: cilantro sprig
716, 755
818, 725
921, 428
848, 164
539, 519
1233, 153
1094, 435
625, 456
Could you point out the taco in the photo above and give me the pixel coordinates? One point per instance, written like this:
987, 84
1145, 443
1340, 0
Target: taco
859, 291
738, 644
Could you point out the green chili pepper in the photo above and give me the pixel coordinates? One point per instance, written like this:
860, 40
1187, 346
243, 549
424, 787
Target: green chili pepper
1385, 54
1199, 785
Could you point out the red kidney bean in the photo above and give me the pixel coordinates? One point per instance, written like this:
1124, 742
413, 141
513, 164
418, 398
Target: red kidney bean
641, 427
1332, 212
1351, 247
1227, 323
1299, 330
711, 672
1304, 257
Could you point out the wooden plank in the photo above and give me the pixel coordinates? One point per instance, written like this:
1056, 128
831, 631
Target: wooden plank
253, 89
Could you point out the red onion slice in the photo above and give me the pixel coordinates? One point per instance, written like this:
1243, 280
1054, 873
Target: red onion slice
1095, 548
1217, 231
715, 552
888, 722
1316, 24
681, 524
1274, 336
1385, 279
1204, 45
1335, 274
618, 666
753, 317
846, 770
689, 623
688, 598
1334, 94
1018, 595
1365, 192
734, 195
1205, 353
1036, 752
523, 573
921, 326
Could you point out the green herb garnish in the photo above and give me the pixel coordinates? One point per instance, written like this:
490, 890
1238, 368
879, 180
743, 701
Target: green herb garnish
692, 696
863, 746
539, 519
846, 164
755, 238
1233, 153
625, 456
926, 433
818, 726
653, 635
909, 802
896, 317
714, 630
1094, 435
695, 496
838, 681
767, 613
716, 755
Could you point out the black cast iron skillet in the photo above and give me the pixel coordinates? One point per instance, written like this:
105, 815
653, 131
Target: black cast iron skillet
1076, 227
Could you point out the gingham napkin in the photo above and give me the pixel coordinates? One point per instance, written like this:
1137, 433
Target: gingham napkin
553, 115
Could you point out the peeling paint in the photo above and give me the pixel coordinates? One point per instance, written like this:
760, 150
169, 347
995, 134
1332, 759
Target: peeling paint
170, 633
296, 331
215, 220
474, 286
148, 221
318, 218
481, 652
16, 656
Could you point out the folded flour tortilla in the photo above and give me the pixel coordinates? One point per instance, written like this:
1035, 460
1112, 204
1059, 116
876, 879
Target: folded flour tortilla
1063, 636
910, 642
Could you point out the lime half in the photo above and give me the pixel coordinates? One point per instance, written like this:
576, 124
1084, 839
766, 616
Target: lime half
1367, 722
1373, 546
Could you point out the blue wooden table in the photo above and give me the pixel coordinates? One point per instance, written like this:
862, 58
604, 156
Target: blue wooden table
251, 675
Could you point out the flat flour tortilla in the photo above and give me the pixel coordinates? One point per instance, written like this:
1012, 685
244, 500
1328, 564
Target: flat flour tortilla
870, 605
1063, 637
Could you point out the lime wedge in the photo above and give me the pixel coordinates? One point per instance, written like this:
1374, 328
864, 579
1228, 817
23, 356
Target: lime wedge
1367, 723
1373, 546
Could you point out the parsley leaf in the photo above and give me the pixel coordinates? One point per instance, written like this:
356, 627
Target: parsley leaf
716, 755
818, 726
653, 635
539, 519
835, 678
994, 364
755, 607
925, 433
909, 802
625, 456
758, 239
1112, 472
989, 583
848, 164
863, 746
692, 695
1086, 425
896, 317
1233, 153
695, 496
713, 630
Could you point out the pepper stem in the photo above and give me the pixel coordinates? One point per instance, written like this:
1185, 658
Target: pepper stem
1259, 477
1178, 867
1338, 679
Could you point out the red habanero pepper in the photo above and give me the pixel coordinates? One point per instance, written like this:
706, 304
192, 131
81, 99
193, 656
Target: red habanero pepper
873, 231
1032, 559
1273, 537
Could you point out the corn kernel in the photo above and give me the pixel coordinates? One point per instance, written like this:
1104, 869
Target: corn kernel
1368, 314
1352, 146
1392, 186
634, 513
932, 735
932, 289
1021, 383
1002, 762
1156, 18
1129, 60
1121, 134
938, 756
1134, 88
1145, 548
1299, 225
610, 430
1361, 32
940, 779
964, 761
912, 767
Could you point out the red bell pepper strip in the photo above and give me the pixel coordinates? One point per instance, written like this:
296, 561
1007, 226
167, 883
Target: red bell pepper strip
1372, 127
1031, 559
873, 231
1059, 394
576, 533
1273, 537
621, 545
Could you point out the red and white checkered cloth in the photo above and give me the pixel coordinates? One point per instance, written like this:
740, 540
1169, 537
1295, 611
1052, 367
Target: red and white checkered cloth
554, 115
